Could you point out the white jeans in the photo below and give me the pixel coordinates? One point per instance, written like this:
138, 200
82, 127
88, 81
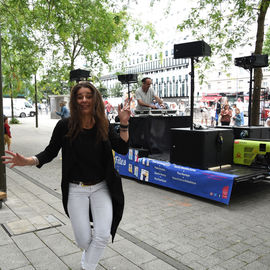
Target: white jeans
79, 200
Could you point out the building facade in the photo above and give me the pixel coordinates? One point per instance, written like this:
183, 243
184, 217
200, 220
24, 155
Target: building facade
170, 76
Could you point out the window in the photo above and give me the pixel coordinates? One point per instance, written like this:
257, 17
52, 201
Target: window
165, 90
176, 88
166, 53
183, 89
160, 90
170, 85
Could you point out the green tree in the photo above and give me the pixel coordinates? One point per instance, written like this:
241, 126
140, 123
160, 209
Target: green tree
103, 91
81, 29
225, 26
117, 90
21, 54
266, 44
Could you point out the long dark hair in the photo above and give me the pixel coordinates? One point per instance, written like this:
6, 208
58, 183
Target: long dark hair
98, 113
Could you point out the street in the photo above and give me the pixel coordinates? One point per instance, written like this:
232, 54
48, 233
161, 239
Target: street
162, 229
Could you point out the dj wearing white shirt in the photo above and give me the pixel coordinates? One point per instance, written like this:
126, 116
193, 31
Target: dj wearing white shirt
145, 96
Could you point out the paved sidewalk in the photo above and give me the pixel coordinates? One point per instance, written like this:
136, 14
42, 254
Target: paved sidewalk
161, 229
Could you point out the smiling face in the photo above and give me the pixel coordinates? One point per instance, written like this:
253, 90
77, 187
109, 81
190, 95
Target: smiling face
84, 99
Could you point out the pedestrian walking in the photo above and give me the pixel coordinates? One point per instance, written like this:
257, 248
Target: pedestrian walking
7, 133
64, 113
91, 187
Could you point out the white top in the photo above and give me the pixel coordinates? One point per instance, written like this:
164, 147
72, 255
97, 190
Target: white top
146, 97
240, 105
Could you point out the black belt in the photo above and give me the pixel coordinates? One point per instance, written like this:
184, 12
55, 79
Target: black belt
85, 184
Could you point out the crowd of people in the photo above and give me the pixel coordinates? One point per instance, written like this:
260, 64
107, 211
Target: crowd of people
221, 112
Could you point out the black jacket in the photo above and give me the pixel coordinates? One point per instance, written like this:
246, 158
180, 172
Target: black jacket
59, 140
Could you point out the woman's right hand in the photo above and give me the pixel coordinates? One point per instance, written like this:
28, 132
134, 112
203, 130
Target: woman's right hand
16, 159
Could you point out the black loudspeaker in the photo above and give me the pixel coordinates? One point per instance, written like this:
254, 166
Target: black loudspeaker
254, 132
79, 74
201, 149
253, 61
128, 78
191, 49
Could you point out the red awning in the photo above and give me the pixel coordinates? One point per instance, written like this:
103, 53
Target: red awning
210, 98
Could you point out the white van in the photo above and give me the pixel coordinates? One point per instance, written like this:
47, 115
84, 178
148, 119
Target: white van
21, 107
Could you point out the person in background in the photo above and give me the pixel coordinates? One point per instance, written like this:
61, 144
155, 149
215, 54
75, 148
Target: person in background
204, 113
240, 105
182, 108
233, 108
237, 118
145, 96
213, 115
64, 113
218, 110
91, 187
226, 114
7, 133
267, 122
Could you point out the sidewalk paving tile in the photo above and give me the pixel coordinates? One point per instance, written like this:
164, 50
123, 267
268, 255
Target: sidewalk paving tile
28, 241
31, 224
132, 252
19, 227
73, 260
59, 244
118, 263
4, 237
39, 222
11, 257
44, 258
26, 268
157, 265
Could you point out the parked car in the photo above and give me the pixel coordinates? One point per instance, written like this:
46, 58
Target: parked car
21, 107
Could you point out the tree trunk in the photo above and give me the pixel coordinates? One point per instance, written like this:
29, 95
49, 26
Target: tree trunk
11, 101
255, 111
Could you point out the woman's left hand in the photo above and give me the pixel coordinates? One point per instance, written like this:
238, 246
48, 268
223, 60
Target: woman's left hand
124, 113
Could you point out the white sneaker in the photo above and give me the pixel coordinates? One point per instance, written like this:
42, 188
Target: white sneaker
82, 260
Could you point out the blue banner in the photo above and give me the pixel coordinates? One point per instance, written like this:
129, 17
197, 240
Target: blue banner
207, 184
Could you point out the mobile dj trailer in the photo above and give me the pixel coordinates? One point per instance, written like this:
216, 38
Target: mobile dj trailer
199, 162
